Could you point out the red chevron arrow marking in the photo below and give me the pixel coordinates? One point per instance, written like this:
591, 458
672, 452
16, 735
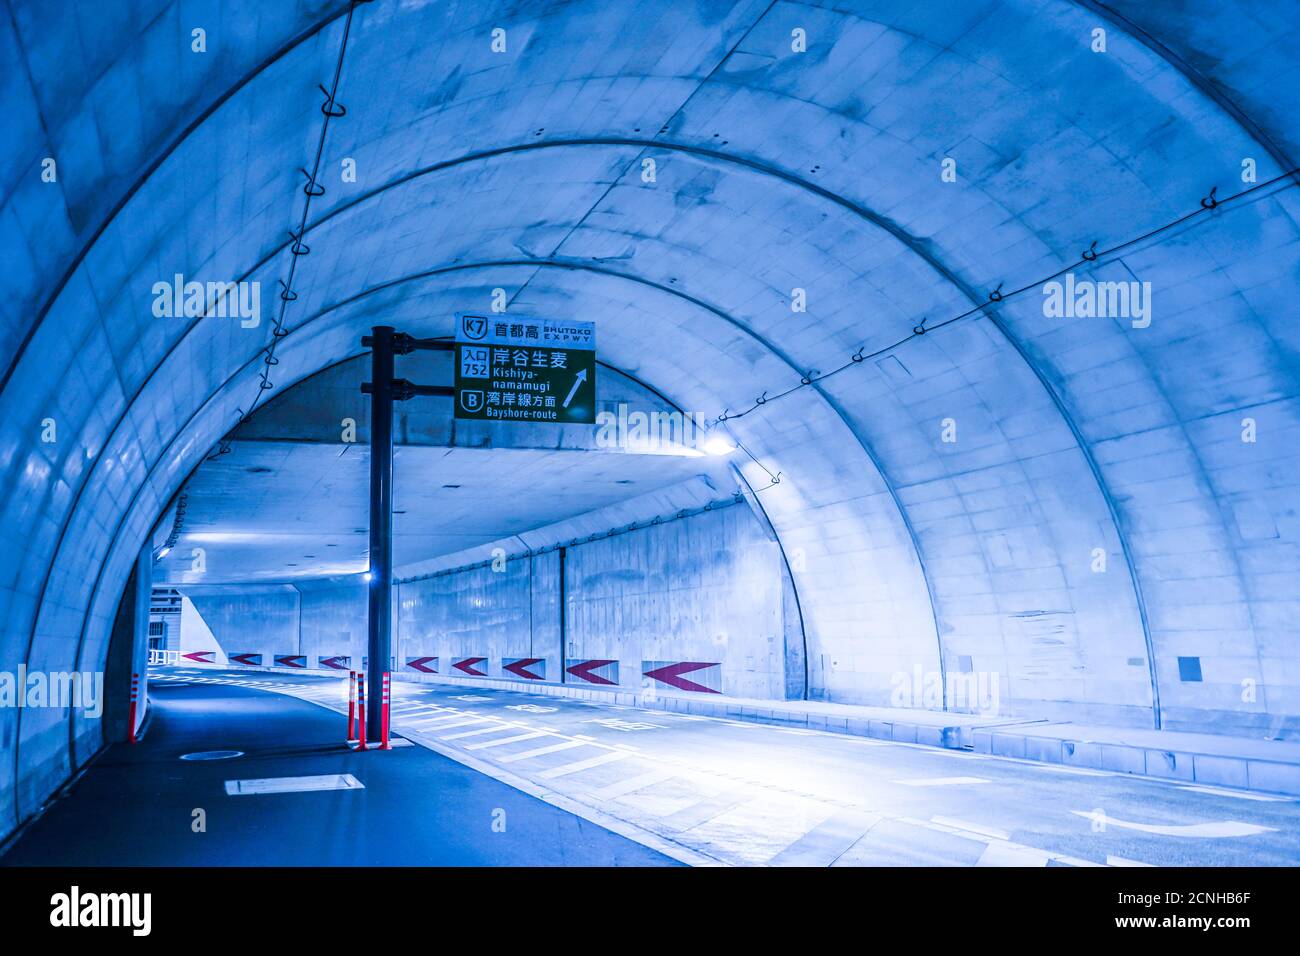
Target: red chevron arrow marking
334, 663
291, 661
467, 666
248, 660
671, 675
200, 657
521, 666
421, 664
583, 671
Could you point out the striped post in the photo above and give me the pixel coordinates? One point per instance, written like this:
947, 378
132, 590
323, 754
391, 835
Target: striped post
361, 711
388, 697
352, 705
135, 700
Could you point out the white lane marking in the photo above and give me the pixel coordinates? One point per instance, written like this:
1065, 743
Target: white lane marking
326, 781
1239, 794
541, 751
581, 765
1221, 828
940, 781
431, 719
1001, 853
1123, 861
463, 722
531, 735
956, 824
632, 784
476, 733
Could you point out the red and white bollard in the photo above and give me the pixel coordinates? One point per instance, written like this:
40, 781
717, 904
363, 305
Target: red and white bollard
352, 705
135, 699
388, 696
361, 710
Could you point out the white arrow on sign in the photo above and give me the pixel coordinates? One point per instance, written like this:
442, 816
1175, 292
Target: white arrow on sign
582, 377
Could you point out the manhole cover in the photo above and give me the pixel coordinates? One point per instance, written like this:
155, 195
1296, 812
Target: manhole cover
213, 755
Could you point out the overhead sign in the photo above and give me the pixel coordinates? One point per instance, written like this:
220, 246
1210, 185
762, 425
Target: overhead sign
517, 369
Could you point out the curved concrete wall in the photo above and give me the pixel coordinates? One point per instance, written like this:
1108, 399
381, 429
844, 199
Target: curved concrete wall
775, 170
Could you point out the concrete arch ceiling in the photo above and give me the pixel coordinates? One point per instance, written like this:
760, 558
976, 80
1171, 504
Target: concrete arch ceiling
775, 170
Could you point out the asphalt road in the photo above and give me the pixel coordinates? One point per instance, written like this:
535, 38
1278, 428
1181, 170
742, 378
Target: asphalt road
701, 789
136, 805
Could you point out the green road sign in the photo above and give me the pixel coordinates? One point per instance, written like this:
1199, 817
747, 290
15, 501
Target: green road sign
516, 369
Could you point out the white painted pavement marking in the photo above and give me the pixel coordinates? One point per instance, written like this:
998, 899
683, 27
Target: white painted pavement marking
327, 781
1221, 828
829, 840
608, 757
531, 735
1123, 861
983, 831
476, 733
1001, 853
1239, 794
940, 781
541, 751
431, 719
632, 784
464, 722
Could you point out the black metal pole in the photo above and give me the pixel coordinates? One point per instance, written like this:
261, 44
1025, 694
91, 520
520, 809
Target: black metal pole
380, 608
564, 621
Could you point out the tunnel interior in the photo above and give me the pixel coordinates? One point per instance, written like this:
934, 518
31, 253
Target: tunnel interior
869, 246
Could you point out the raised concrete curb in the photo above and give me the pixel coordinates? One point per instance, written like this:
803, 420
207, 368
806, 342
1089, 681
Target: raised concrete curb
1207, 759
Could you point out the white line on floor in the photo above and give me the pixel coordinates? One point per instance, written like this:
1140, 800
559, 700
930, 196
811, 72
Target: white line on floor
568, 768
531, 735
940, 781
475, 733
956, 824
1239, 794
464, 722
1000, 853
632, 784
1213, 830
541, 751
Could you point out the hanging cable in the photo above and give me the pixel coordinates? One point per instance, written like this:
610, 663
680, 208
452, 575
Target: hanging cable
330, 109
1090, 256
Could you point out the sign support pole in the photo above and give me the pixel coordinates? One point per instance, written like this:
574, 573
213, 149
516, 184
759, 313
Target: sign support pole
380, 592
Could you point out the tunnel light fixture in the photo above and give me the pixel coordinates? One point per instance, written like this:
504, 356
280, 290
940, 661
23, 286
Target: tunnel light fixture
367, 576
164, 552
718, 445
